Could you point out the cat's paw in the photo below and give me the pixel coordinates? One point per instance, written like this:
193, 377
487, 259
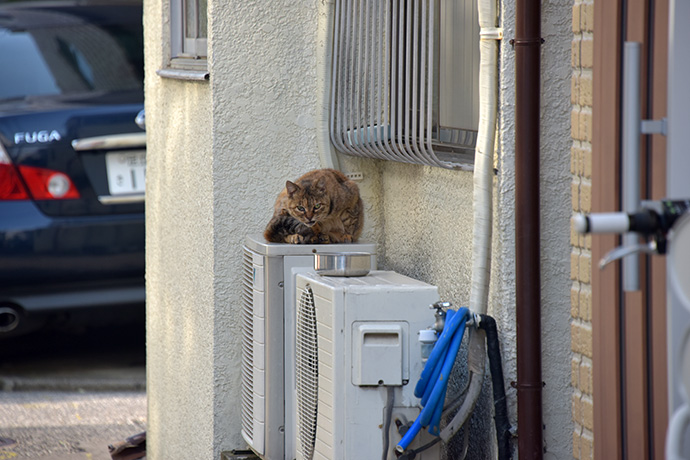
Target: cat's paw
347, 239
322, 239
295, 239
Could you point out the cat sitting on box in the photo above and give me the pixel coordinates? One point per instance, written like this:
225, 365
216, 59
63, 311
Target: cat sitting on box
322, 206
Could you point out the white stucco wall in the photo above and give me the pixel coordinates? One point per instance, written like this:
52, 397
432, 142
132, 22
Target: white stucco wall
220, 151
218, 154
179, 257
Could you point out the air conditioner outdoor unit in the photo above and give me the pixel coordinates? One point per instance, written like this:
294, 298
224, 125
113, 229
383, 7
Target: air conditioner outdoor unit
268, 312
357, 346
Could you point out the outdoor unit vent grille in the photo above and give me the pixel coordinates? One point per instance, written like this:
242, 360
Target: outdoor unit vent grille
307, 374
405, 80
247, 345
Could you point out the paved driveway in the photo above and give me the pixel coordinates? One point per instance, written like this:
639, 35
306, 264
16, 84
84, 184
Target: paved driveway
68, 425
68, 395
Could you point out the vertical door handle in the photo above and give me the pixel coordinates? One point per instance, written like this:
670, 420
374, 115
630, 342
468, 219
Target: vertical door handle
631, 157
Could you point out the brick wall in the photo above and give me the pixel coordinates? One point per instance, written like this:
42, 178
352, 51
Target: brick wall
581, 256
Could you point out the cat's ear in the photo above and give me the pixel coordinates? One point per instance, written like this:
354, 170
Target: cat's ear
321, 185
291, 187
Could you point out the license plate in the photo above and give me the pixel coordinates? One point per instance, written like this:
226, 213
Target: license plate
126, 172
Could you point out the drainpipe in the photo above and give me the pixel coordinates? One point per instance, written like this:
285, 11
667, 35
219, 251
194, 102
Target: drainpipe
527, 45
324, 57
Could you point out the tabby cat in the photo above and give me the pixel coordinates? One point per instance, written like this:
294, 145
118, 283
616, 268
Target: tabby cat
322, 206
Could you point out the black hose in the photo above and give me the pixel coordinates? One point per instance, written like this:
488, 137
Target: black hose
501, 421
390, 401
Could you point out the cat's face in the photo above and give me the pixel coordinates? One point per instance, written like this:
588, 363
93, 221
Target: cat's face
308, 204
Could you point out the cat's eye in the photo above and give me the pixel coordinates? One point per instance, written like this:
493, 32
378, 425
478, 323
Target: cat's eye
317, 206
300, 208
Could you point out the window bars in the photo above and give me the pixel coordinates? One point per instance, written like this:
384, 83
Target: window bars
385, 83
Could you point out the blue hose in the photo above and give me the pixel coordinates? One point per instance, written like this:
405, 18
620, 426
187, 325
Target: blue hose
433, 382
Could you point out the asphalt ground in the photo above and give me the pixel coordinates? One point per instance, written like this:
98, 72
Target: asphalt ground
67, 395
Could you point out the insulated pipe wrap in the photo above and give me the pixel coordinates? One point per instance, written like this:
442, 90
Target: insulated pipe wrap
324, 58
483, 208
483, 161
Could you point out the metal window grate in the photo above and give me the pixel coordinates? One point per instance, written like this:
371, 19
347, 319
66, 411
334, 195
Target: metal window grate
307, 374
247, 345
386, 89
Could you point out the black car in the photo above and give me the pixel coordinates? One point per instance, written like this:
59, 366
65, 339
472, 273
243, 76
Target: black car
72, 160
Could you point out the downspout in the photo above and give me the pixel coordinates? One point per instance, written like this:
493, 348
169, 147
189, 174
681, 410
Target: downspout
527, 233
324, 60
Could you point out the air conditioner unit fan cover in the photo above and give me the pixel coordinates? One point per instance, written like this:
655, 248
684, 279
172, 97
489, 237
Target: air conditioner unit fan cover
307, 373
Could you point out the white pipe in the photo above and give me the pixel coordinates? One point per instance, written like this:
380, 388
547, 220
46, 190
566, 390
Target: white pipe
483, 202
484, 156
324, 58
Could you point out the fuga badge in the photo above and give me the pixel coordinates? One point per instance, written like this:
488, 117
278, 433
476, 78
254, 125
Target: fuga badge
42, 137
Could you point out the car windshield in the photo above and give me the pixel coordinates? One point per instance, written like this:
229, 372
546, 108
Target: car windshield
60, 50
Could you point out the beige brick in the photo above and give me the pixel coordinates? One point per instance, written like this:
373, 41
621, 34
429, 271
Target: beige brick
575, 53
576, 405
574, 269
575, 372
585, 383
575, 124
574, 235
585, 196
585, 125
575, 300
585, 267
587, 412
584, 88
587, 162
587, 17
575, 159
585, 302
577, 239
577, 23
587, 52
575, 196
581, 338
586, 446
574, 93
574, 337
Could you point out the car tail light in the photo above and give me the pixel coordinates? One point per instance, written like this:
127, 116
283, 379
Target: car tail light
43, 184
46, 184
11, 187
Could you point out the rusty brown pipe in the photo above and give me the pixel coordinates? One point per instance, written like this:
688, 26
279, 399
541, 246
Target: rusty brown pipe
527, 46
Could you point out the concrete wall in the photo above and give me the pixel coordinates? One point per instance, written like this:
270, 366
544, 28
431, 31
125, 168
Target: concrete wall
220, 151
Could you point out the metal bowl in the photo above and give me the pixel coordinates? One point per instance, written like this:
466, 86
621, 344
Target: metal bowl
342, 264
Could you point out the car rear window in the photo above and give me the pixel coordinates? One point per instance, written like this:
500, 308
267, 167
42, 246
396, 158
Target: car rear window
62, 50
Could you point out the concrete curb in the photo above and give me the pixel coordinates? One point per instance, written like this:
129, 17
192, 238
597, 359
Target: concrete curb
70, 384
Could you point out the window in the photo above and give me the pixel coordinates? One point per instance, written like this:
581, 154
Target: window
55, 50
405, 80
188, 40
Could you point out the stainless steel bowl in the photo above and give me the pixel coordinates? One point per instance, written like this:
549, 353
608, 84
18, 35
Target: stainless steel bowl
342, 264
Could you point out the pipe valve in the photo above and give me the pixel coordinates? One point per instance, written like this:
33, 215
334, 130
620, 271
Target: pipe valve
440, 314
653, 222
